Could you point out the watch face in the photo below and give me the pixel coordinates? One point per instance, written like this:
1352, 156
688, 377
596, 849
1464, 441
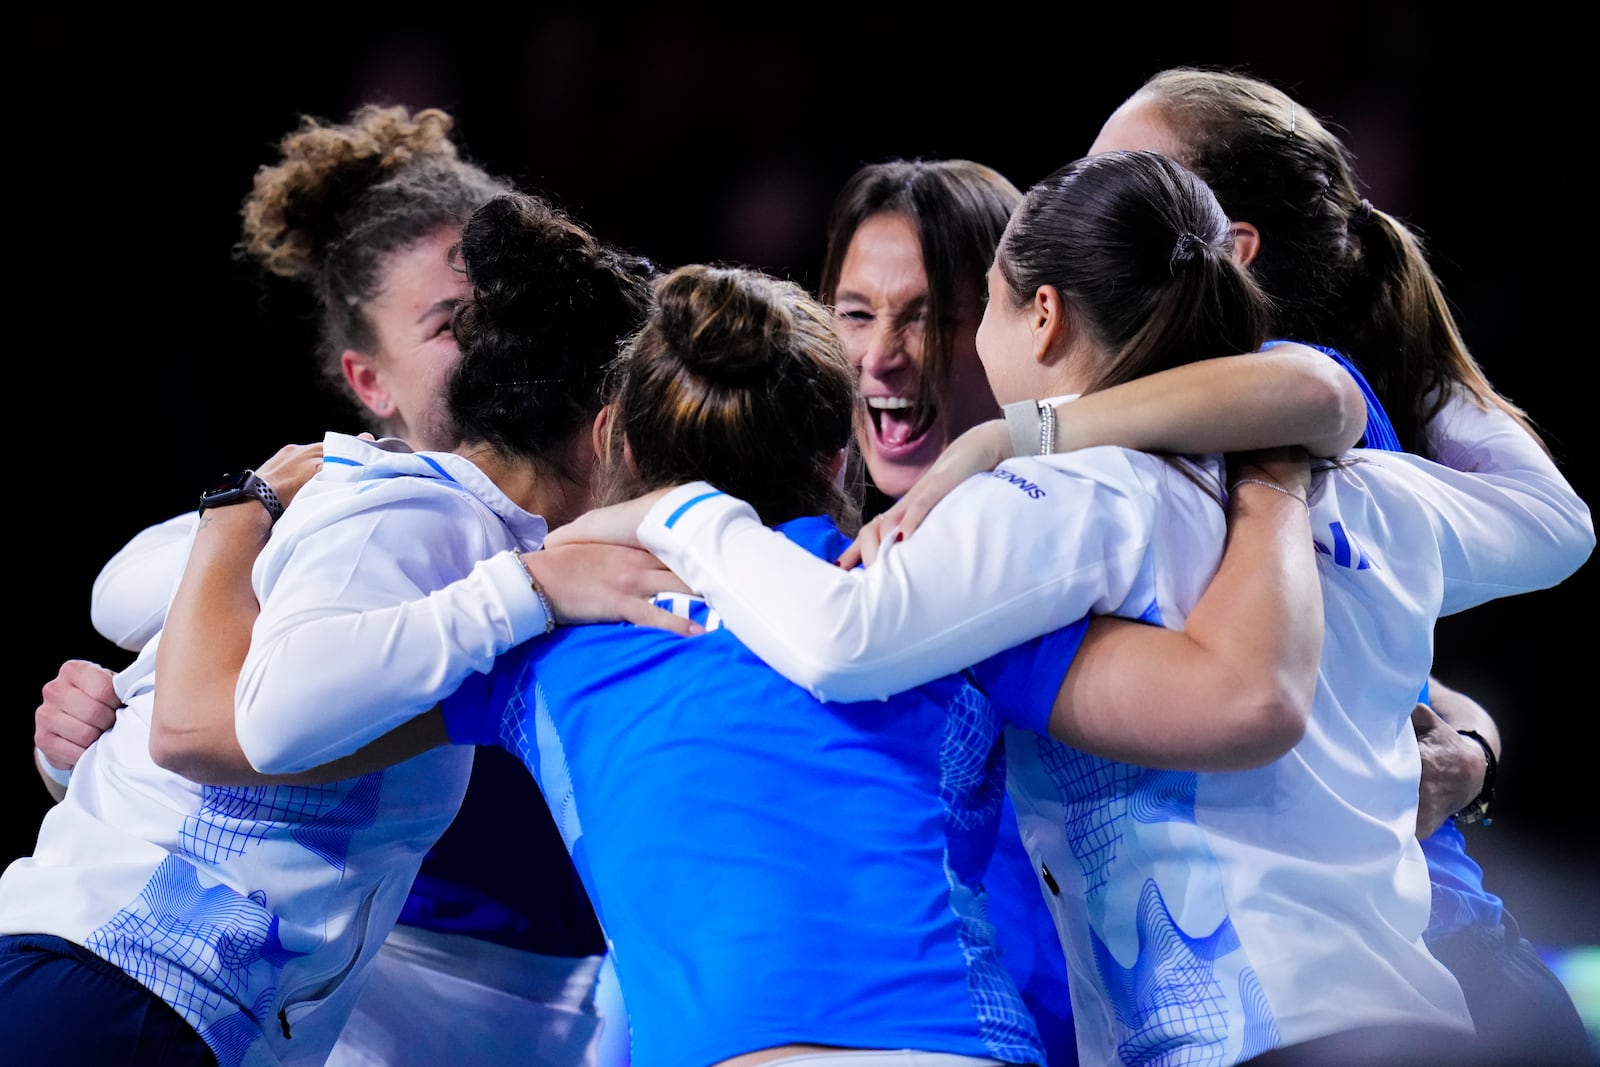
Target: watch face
228, 483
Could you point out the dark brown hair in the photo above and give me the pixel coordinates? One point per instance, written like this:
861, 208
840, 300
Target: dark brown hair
959, 209
551, 307
1138, 247
738, 379
1339, 271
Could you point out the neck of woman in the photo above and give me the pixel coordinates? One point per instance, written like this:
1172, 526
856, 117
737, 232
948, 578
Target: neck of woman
556, 487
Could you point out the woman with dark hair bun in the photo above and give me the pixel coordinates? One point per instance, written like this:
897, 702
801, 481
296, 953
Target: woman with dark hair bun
359, 216
237, 921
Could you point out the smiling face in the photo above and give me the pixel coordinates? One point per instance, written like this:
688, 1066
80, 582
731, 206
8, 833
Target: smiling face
882, 304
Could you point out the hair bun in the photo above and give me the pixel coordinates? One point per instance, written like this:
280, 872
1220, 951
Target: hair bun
721, 325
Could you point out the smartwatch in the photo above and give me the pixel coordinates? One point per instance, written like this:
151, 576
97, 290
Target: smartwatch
238, 488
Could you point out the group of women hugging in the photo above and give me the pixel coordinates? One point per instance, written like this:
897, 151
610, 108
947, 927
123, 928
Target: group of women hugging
1016, 652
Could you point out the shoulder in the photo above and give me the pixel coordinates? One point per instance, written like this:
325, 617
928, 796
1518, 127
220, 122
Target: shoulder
1107, 468
381, 499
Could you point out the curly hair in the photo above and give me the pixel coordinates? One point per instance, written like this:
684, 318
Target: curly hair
342, 198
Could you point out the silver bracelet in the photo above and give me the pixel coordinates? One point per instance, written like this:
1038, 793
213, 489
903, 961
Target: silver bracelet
1032, 426
1270, 485
544, 601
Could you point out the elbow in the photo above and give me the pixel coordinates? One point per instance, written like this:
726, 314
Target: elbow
1342, 408
1266, 729
200, 755
1582, 541
1329, 405
1282, 727
176, 751
1569, 544
841, 682
261, 754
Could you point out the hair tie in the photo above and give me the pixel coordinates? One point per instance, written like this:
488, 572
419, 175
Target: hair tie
1187, 247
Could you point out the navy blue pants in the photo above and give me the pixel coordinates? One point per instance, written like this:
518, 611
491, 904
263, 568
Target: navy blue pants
60, 1005
1523, 1013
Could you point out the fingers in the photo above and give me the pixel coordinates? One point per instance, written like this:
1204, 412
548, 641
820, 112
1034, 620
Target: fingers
907, 513
1424, 717
590, 582
62, 740
887, 534
864, 549
290, 468
658, 579
79, 705
911, 519
851, 557
874, 539
94, 681
613, 525
81, 702
643, 613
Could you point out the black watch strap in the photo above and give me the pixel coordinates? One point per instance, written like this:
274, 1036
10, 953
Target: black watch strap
1478, 810
240, 488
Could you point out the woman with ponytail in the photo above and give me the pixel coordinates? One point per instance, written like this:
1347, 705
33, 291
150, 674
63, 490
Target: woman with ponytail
1355, 279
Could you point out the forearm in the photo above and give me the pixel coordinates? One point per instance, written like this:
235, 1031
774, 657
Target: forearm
203, 646
1498, 534
194, 715
297, 710
1286, 395
947, 597
1233, 688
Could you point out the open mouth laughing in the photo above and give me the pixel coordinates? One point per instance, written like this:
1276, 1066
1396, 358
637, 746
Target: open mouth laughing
900, 425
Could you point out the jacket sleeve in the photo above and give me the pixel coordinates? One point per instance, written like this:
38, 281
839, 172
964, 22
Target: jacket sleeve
1008, 556
1513, 472
129, 600
368, 621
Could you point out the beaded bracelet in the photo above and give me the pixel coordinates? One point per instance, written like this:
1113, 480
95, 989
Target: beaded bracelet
1270, 485
544, 601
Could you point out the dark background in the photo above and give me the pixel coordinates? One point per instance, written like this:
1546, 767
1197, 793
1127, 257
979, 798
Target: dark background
148, 361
